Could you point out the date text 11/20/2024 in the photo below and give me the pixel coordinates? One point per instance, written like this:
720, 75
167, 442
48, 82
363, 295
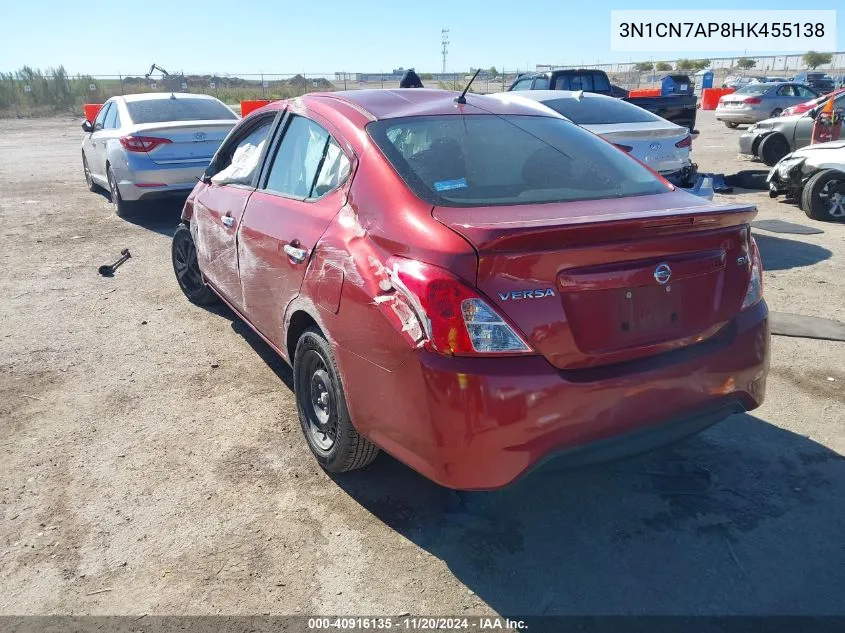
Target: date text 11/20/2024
408, 623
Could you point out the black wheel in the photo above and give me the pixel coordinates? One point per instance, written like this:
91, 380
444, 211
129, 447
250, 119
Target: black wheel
322, 409
823, 197
731, 124
772, 148
89, 180
187, 269
121, 207
775, 113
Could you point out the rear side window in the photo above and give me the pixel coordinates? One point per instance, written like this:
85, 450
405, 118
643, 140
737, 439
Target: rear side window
177, 109
598, 111
308, 164
481, 160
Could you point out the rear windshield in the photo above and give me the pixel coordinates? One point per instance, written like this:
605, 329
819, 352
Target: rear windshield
589, 82
481, 160
177, 109
599, 111
754, 89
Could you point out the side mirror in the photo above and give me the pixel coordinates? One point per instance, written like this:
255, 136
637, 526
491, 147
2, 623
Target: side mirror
813, 113
86, 126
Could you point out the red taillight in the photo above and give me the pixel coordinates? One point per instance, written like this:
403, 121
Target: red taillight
684, 142
752, 100
624, 148
142, 143
443, 314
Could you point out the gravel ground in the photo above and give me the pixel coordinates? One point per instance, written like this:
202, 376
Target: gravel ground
150, 448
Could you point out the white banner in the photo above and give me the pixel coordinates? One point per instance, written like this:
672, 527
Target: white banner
720, 30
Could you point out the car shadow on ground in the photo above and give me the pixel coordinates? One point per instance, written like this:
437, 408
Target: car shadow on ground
745, 518
783, 254
159, 216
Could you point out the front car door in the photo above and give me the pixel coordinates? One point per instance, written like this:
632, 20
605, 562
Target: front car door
303, 186
95, 144
220, 203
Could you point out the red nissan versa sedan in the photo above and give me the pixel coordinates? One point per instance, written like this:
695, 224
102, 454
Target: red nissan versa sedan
475, 287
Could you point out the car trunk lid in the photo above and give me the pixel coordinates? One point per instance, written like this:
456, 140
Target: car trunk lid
190, 141
602, 281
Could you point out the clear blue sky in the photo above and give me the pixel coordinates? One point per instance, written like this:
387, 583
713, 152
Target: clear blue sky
324, 36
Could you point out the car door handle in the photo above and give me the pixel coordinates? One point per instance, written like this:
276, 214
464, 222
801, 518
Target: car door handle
297, 255
228, 221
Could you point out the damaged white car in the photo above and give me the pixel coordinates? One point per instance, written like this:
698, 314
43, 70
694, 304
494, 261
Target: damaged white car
813, 176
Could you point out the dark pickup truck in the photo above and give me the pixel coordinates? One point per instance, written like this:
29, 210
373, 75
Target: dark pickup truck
677, 108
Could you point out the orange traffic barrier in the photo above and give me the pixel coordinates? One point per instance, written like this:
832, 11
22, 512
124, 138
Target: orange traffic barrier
710, 97
249, 106
91, 110
644, 92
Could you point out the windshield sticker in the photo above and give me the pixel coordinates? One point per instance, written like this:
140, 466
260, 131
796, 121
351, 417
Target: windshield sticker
446, 185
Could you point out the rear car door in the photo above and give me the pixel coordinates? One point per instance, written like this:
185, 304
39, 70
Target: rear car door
95, 151
220, 203
303, 186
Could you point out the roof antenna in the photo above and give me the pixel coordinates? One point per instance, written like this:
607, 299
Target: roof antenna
462, 98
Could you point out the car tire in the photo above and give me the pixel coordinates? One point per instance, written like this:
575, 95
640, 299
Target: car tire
731, 124
122, 208
823, 197
772, 148
89, 179
775, 113
321, 406
183, 254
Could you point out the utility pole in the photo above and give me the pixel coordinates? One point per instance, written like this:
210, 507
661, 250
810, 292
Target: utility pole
445, 40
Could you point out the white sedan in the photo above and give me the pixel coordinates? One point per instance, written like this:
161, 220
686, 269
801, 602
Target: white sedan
654, 141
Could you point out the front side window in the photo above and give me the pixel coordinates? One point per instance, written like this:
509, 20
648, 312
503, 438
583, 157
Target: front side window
111, 118
541, 83
101, 116
522, 84
479, 160
240, 163
308, 163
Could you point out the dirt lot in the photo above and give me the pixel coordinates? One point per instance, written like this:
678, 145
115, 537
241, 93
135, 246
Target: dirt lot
150, 448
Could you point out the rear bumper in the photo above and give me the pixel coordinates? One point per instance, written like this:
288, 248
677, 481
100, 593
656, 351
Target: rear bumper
482, 423
139, 178
740, 116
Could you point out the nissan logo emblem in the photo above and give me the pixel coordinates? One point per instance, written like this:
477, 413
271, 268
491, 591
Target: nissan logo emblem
662, 274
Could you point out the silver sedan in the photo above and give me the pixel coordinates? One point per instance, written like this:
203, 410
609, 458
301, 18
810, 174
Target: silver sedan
153, 145
757, 102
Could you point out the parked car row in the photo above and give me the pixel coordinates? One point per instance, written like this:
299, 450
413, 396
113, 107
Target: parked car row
471, 283
816, 80
811, 175
759, 101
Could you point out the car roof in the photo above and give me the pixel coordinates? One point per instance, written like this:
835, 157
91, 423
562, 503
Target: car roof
548, 95
147, 96
409, 102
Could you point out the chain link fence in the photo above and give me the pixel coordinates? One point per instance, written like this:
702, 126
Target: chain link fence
32, 93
